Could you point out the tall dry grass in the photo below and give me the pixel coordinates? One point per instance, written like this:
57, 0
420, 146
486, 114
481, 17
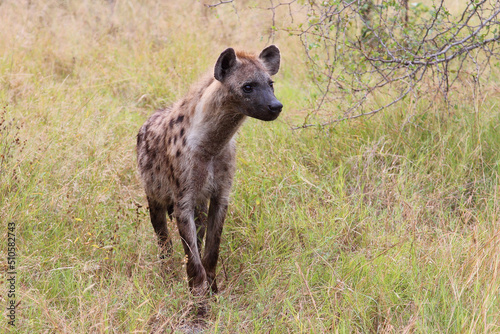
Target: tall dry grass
377, 225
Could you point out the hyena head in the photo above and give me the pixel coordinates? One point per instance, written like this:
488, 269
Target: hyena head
248, 80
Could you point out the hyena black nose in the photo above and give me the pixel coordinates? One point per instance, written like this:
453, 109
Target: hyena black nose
276, 107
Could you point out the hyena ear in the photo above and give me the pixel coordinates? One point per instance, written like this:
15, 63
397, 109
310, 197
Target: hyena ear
270, 56
225, 63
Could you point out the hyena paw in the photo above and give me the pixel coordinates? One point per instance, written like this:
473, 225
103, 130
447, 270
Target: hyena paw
164, 255
200, 290
165, 251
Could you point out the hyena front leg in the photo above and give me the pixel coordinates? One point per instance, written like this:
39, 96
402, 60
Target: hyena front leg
200, 220
197, 277
158, 214
215, 223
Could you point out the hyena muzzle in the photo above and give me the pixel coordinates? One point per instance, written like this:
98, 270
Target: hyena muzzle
186, 155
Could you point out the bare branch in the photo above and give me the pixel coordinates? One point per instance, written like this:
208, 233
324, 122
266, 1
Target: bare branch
222, 2
360, 50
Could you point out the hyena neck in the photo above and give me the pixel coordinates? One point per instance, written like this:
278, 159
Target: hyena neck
218, 120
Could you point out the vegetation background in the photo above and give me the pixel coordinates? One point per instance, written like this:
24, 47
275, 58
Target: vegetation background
373, 225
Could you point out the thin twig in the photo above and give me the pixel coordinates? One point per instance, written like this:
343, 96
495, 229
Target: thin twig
222, 2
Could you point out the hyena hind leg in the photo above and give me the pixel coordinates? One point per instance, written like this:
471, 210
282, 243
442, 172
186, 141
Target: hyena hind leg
158, 213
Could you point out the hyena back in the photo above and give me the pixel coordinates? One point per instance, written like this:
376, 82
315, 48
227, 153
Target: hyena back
186, 155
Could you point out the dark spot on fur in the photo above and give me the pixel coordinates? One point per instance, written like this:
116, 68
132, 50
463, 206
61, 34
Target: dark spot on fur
177, 183
180, 119
157, 141
165, 135
184, 141
139, 139
169, 140
183, 104
175, 139
182, 132
171, 124
149, 165
147, 146
178, 154
158, 168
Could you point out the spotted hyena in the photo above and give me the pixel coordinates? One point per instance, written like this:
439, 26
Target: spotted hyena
186, 155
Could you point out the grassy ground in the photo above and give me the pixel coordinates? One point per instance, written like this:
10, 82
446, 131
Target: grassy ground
377, 225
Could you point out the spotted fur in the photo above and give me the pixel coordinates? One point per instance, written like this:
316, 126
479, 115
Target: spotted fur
186, 155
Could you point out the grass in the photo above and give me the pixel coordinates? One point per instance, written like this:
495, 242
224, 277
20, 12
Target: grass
375, 225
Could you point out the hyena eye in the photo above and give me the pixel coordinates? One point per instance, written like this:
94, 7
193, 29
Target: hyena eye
247, 88
271, 84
